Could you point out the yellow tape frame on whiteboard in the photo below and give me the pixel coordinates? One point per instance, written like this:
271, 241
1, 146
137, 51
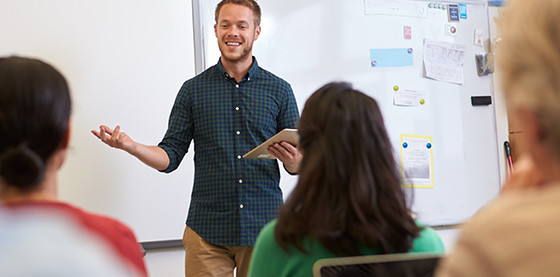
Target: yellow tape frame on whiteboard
417, 157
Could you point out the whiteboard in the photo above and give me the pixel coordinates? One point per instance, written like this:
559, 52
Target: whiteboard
125, 61
310, 43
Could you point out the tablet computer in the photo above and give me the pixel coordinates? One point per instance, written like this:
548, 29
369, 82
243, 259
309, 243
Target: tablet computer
261, 151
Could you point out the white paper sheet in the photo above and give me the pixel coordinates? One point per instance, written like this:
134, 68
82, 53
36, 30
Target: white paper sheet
409, 98
416, 161
396, 8
444, 61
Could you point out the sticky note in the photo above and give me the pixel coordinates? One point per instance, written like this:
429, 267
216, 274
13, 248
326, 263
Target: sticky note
407, 32
391, 57
478, 37
463, 11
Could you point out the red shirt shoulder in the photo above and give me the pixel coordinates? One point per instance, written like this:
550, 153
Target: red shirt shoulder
118, 235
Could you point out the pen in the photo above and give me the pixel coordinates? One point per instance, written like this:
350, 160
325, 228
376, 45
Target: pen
508, 155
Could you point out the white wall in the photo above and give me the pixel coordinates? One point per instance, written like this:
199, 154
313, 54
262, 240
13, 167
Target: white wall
125, 60
166, 262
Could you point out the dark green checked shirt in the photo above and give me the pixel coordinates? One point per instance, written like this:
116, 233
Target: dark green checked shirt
232, 197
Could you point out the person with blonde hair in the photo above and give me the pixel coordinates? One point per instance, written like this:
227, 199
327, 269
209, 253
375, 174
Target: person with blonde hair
517, 233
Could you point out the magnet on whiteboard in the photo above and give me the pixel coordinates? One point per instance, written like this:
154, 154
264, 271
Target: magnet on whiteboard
410, 50
422, 101
396, 88
373, 63
405, 145
450, 30
428, 145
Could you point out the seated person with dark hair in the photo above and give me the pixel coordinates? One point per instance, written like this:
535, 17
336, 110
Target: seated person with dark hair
35, 111
349, 200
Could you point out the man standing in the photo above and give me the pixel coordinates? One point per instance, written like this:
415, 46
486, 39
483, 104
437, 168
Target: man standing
227, 110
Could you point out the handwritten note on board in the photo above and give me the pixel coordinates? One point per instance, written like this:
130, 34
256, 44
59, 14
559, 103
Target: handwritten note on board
444, 61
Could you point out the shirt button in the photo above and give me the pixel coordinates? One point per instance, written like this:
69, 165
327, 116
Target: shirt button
237, 86
241, 206
238, 133
237, 108
240, 181
239, 157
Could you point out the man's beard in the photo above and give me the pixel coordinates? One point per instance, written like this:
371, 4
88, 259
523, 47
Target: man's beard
244, 55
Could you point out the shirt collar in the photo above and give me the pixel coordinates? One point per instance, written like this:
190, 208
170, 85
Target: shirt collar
250, 74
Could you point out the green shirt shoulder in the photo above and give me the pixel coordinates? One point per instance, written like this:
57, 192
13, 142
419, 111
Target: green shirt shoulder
268, 259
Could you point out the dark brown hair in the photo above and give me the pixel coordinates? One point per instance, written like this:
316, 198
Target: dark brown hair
34, 112
349, 192
251, 4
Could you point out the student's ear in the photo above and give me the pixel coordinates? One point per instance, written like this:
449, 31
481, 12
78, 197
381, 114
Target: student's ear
531, 126
533, 135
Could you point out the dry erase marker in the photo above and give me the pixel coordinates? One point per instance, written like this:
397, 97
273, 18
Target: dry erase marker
508, 155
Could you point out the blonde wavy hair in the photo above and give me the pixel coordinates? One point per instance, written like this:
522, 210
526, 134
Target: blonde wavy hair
528, 58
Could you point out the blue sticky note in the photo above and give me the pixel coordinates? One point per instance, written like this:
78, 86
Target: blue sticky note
453, 12
498, 3
391, 57
463, 11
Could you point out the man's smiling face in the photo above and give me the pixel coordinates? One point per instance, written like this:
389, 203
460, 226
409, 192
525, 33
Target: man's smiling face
236, 32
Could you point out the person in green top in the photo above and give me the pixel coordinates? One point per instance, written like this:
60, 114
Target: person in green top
348, 200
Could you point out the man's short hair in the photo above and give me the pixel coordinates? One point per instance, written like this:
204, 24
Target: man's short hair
251, 4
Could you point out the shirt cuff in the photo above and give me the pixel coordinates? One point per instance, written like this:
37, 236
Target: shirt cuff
293, 174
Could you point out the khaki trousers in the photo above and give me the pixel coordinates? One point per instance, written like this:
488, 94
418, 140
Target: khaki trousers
206, 259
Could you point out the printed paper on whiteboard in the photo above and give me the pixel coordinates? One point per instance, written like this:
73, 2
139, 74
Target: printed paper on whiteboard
417, 161
396, 7
444, 61
409, 98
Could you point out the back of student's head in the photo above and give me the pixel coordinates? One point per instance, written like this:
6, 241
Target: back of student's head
349, 189
529, 62
34, 112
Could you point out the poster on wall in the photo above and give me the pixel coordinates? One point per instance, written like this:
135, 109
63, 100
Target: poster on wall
417, 163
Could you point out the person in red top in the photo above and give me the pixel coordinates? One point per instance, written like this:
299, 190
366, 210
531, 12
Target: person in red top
35, 109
